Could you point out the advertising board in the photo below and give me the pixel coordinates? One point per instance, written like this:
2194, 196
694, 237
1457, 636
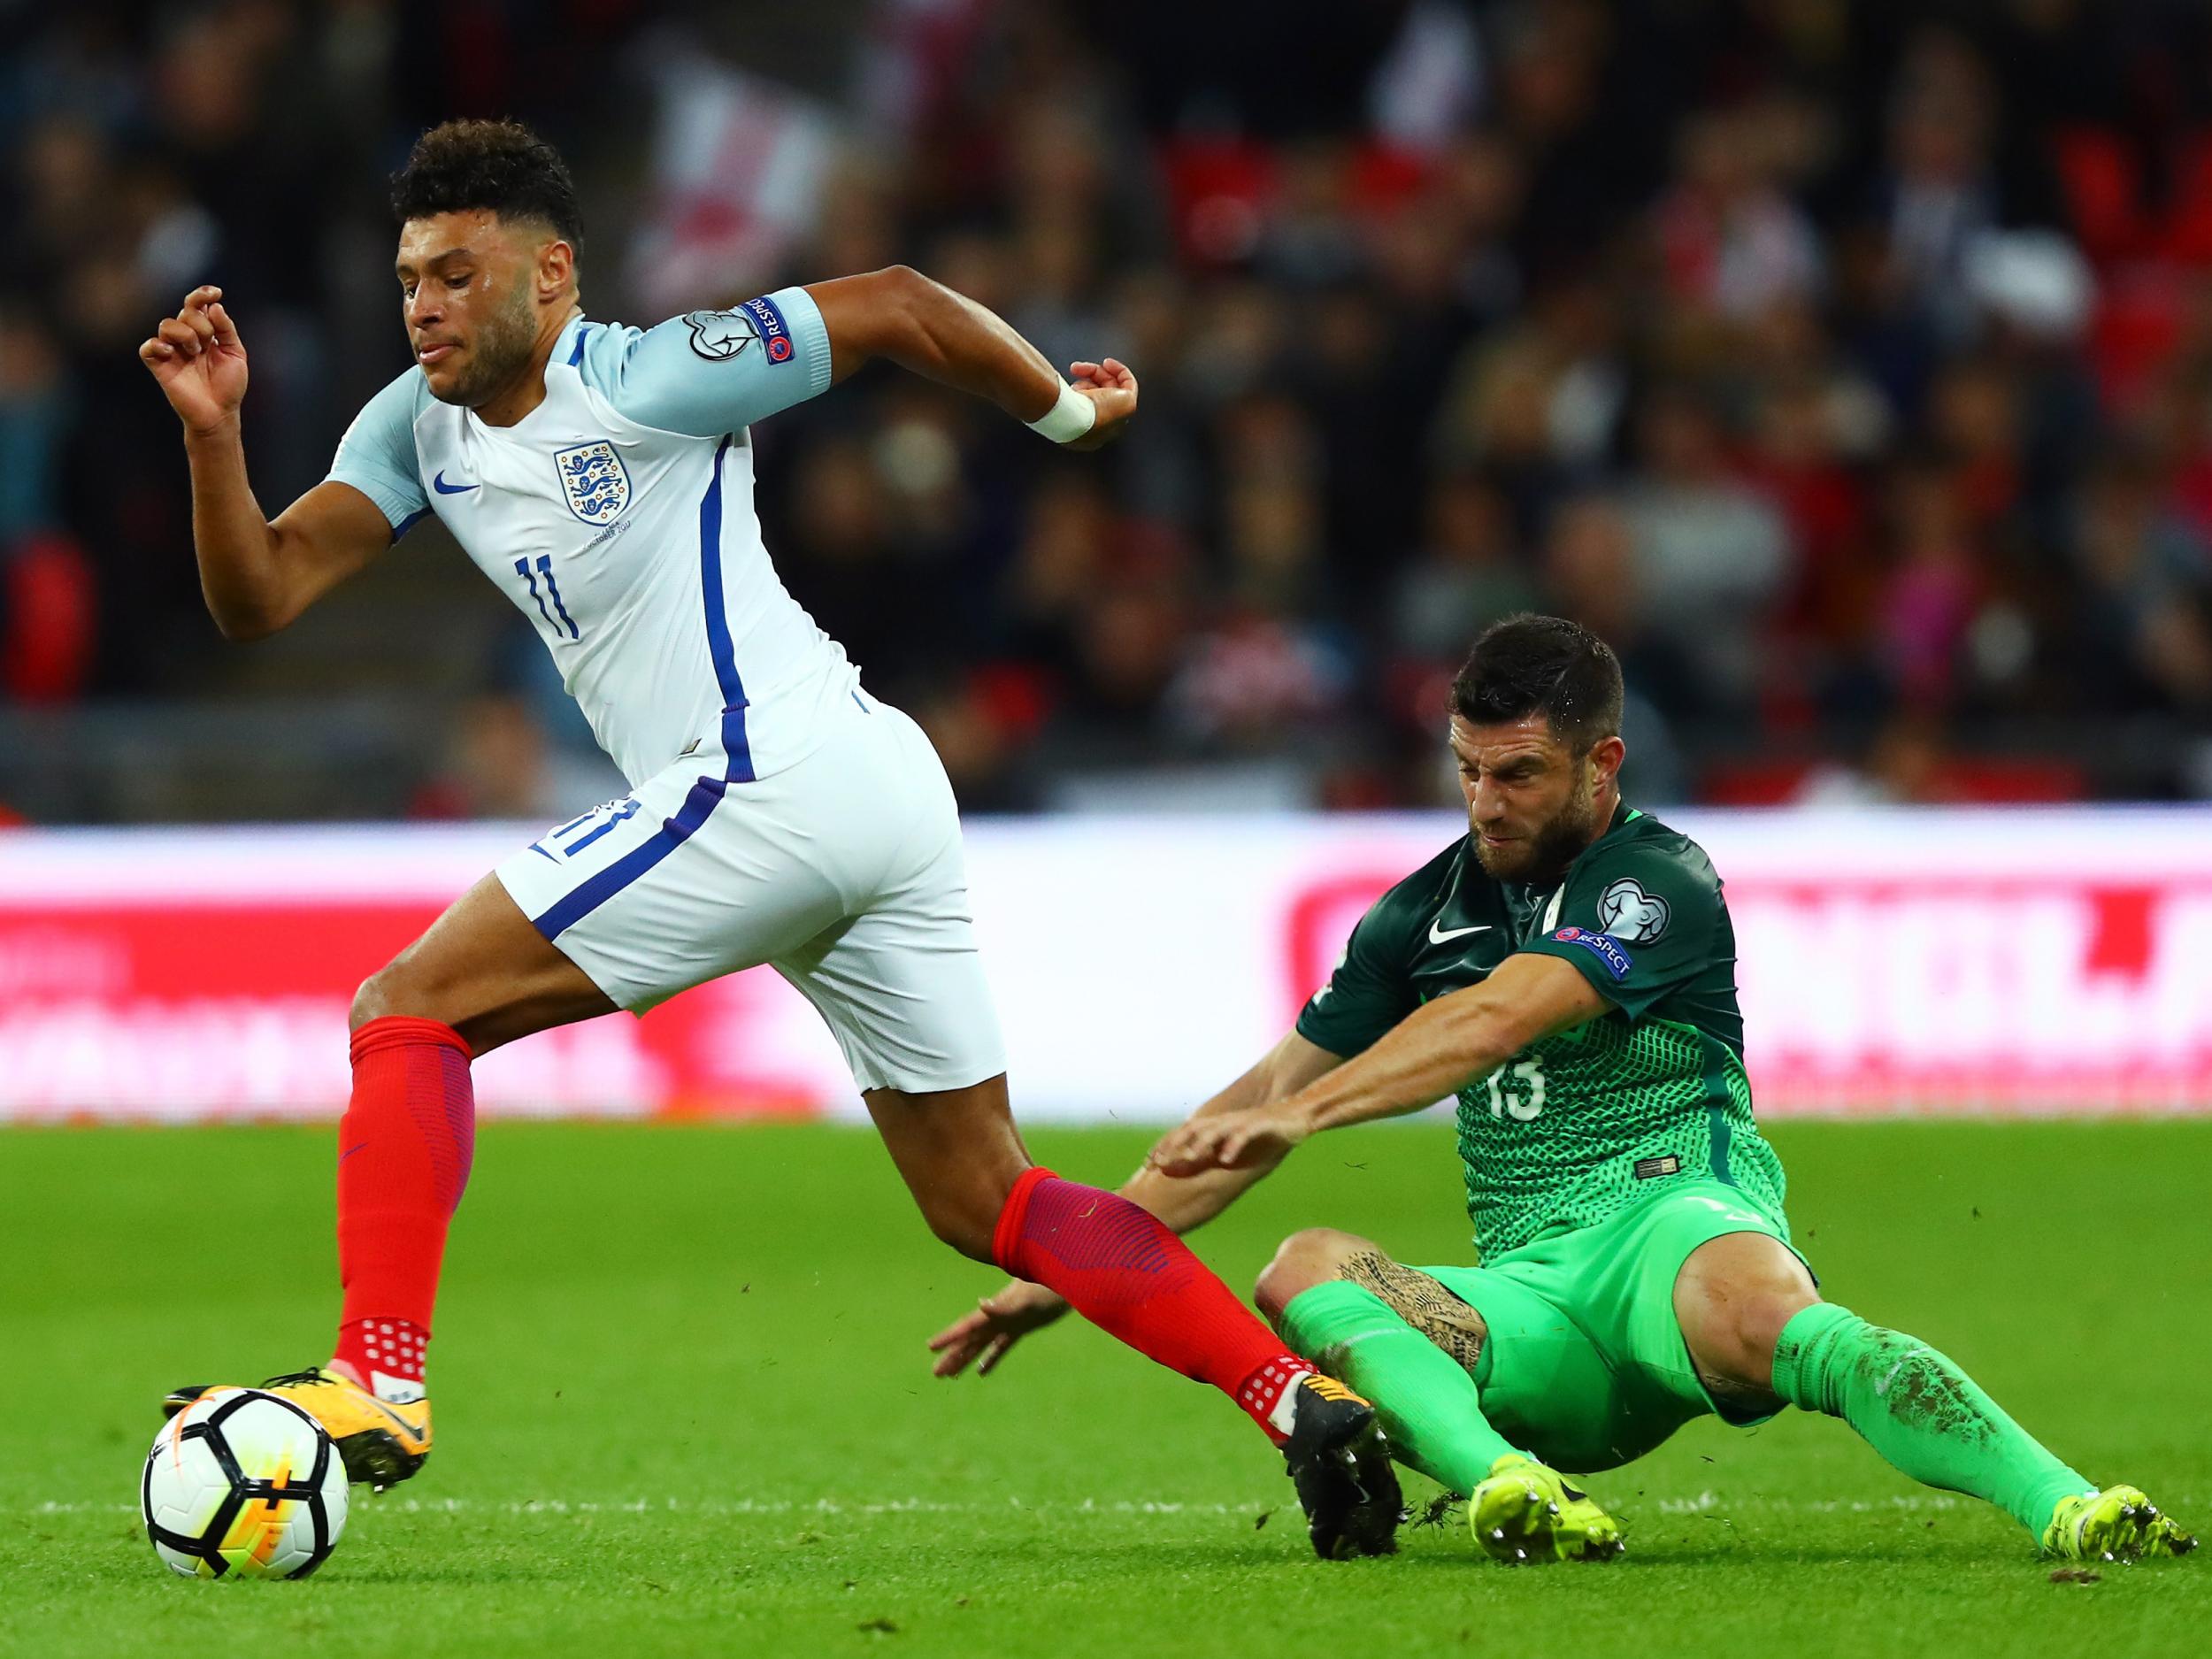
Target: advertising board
1923, 961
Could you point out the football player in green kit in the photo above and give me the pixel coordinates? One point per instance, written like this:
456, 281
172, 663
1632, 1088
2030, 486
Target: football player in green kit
1568, 970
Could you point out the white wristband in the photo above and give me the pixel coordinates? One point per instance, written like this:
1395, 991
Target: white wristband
1068, 418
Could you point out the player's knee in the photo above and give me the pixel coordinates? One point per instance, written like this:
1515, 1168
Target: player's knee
1302, 1261
966, 1235
392, 990
964, 1222
1732, 1298
1732, 1337
373, 1001
1757, 1331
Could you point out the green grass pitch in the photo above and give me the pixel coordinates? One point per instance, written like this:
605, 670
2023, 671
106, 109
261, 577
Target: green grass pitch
683, 1408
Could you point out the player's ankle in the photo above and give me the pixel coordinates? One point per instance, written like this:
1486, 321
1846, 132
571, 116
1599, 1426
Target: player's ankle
1267, 1395
345, 1368
384, 1355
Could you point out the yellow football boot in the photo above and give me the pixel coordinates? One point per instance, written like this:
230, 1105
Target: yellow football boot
1525, 1512
2118, 1524
382, 1443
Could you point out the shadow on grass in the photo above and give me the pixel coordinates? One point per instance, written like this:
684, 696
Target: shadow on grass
1724, 1549
1888, 1552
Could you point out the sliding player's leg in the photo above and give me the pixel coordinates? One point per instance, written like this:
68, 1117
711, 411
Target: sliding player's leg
1752, 1322
1482, 1385
1398, 1336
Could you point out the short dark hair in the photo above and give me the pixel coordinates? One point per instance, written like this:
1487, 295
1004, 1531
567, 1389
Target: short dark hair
499, 166
1526, 663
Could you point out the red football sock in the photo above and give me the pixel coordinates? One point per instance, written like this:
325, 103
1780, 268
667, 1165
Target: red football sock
1130, 1276
403, 1151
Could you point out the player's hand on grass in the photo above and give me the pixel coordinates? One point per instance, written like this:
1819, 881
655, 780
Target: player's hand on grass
1258, 1139
197, 361
1113, 389
997, 1323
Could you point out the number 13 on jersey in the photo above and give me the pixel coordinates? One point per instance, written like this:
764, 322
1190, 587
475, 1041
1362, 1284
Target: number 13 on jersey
1517, 1090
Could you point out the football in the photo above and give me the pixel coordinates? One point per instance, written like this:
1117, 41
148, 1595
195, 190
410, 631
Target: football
245, 1484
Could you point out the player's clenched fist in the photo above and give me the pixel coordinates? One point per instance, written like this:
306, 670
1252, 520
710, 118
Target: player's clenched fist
197, 361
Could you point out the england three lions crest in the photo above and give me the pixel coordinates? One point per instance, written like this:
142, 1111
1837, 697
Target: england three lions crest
593, 479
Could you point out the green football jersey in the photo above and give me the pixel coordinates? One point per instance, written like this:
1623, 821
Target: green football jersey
1579, 1125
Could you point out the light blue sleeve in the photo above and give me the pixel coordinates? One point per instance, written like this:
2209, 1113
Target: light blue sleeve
377, 455
707, 373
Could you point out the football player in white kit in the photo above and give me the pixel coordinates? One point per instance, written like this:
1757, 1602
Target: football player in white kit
601, 476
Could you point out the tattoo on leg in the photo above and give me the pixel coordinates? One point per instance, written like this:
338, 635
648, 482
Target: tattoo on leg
1422, 1302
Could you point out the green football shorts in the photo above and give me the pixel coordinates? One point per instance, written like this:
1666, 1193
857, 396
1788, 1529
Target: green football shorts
1585, 1367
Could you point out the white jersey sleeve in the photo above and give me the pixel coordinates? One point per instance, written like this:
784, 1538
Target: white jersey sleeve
377, 455
706, 373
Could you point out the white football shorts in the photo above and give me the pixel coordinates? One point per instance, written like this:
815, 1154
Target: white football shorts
843, 872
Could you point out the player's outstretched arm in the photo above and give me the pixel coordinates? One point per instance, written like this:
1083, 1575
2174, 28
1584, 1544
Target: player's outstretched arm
1425, 1057
921, 324
983, 1335
1287, 1069
257, 576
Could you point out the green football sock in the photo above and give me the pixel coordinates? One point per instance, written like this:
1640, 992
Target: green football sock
1428, 1403
1919, 1411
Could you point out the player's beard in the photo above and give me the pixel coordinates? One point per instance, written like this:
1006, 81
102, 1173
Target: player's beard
1542, 858
501, 350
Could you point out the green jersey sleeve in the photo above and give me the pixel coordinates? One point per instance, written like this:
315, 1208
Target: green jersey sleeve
1371, 990
1639, 920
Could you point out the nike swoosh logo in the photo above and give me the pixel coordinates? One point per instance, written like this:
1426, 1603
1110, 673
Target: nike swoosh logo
1438, 936
444, 489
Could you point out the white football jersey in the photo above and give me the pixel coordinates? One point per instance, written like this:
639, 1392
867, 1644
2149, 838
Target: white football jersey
617, 516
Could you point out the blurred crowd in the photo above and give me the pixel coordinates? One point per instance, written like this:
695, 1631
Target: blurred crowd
1848, 365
